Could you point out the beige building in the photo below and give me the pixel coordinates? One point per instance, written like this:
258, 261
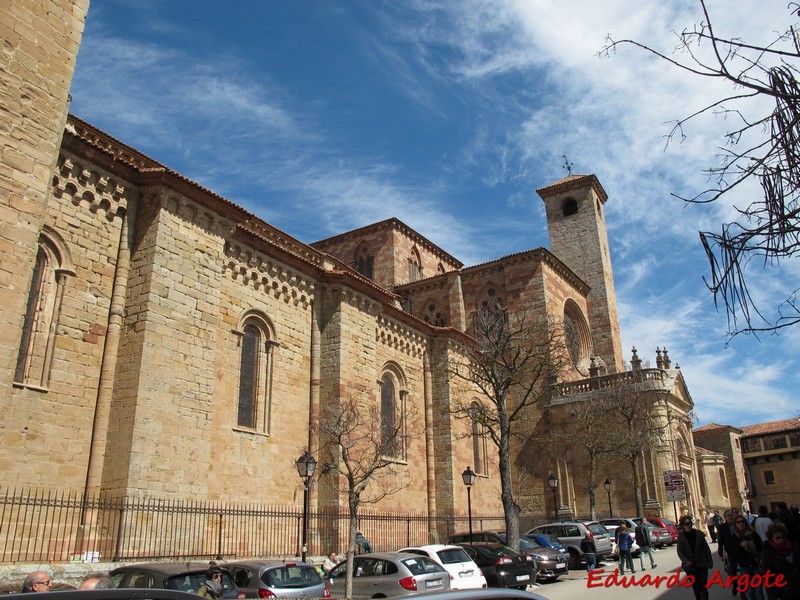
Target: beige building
157, 337
771, 453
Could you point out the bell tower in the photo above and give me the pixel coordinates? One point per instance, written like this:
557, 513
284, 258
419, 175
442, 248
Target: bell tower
576, 223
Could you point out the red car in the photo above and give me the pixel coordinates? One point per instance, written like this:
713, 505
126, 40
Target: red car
665, 524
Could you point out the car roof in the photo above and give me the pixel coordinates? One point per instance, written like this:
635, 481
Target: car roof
255, 564
112, 594
432, 547
169, 568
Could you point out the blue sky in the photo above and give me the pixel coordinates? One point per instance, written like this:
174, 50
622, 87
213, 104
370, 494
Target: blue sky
323, 116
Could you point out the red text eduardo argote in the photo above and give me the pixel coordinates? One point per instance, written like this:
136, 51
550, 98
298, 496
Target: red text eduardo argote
599, 578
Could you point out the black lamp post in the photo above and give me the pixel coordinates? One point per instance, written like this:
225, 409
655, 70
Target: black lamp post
553, 481
469, 479
306, 465
607, 485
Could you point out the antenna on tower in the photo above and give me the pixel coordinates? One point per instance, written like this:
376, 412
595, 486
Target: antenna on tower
567, 165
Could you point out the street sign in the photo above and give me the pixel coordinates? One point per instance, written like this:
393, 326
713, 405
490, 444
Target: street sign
674, 485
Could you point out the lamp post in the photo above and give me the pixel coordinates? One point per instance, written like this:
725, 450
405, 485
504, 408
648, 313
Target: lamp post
553, 481
469, 479
306, 465
607, 485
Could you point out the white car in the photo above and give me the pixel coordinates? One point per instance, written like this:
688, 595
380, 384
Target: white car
464, 573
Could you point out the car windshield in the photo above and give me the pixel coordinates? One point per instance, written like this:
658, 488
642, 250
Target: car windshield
419, 565
667, 522
597, 529
529, 544
291, 576
453, 556
550, 539
191, 582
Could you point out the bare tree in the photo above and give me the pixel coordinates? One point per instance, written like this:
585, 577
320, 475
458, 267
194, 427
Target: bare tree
367, 457
591, 430
760, 145
635, 424
511, 364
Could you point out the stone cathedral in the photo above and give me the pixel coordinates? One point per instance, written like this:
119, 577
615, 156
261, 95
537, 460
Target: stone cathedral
159, 339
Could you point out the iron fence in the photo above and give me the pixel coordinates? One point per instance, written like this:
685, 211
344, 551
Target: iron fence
68, 526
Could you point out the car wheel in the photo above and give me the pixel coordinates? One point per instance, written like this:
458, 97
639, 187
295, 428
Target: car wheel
574, 560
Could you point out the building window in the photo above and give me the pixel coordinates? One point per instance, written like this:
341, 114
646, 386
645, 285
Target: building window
794, 439
775, 442
751, 444
570, 207
392, 415
255, 374
479, 441
440, 269
769, 477
577, 337
434, 316
414, 266
42, 312
365, 262
723, 482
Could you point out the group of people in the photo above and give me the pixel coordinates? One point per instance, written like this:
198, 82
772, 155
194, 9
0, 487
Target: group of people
39, 581
749, 546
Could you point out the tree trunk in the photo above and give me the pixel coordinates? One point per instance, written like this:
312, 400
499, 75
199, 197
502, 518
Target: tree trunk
510, 507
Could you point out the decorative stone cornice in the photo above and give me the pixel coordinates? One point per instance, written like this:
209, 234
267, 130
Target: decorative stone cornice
259, 271
84, 185
400, 337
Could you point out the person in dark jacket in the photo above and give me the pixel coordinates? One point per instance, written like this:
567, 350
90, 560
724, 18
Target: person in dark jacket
728, 543
695, 556
780, 556
747, 555
624, 544
642, 534
589, 551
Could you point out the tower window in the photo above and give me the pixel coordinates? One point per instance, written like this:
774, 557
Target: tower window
570, 207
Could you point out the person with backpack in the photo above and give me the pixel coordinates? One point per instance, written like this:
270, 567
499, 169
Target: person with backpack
642, 534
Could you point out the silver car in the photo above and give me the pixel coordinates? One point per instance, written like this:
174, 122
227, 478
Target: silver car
274, 579
389, 575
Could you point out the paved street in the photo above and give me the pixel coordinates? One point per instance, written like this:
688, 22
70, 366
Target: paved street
574, 586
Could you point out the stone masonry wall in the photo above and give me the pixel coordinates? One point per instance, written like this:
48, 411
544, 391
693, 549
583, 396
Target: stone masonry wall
40, 44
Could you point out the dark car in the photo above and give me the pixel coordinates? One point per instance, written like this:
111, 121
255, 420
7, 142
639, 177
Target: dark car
183, 577
550, 541
276, 579
502, 566
550, 563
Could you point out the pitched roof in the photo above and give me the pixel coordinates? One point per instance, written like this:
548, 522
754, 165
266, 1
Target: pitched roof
710, 427
771, 427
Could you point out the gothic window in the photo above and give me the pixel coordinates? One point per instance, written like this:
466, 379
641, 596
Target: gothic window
42, 311
576, 336
570, 207
392, 425
365, 262
434, 316
479, 441
440, 269
255, 373
414, 266
491, 317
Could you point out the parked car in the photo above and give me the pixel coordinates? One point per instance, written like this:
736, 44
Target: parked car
502, 566
572, 532
666, 524
464, 573
181, 576
613, 524
550, 563
116, 594
661, 537
484, 594
389, 575
498, 537
550, 541
277, 579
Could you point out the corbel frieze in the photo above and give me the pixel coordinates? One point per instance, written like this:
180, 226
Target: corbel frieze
92, 188
395, 335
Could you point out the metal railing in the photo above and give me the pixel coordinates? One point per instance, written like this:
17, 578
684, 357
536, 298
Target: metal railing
59, 527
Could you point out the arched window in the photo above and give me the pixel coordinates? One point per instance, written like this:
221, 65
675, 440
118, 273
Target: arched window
479, 443
392, 415
414, 266
570, 207
723, 482
577, 336
440, 269
42, 311
433, 315
255, 373
364, 261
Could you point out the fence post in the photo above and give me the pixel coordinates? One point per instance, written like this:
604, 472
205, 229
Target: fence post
121, 510
408, 531
219, 538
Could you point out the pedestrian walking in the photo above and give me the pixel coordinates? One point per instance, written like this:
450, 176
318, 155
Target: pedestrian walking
780, 557
362, 544
748, 555
624, 543
589, 551
711, 524
642, 534
695, 556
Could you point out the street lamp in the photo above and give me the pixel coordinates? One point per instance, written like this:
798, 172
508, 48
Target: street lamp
306, 465
469, 479
553, 481
607, 485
